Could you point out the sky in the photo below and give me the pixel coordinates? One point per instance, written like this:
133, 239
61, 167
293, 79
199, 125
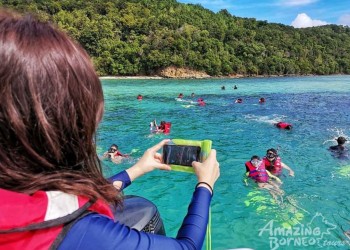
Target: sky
296, 13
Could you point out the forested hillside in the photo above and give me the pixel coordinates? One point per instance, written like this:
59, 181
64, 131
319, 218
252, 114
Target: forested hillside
139, 37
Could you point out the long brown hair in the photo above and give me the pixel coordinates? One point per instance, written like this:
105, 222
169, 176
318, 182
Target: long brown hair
51, 104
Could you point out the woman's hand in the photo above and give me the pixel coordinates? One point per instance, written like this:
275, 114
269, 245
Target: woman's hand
150, 160
208, 171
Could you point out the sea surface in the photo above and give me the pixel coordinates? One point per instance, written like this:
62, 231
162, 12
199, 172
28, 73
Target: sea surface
314, 212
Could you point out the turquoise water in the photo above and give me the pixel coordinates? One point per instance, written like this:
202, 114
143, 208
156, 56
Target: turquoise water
317, 197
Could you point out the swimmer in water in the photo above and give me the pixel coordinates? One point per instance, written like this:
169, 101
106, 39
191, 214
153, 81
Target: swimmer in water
340, 151
255, 169
274, 164
284, 125
114, 154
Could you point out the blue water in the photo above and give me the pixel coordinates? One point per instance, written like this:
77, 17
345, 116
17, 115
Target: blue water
317, 197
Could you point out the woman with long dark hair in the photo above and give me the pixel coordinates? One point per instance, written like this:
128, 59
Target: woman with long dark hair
52, 191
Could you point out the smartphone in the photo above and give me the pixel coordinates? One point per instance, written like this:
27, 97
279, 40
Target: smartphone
181, 155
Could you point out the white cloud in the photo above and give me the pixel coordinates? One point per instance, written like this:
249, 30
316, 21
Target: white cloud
344, 20
303, 21
297, 2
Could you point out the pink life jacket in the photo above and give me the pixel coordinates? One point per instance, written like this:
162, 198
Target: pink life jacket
259, 174
35, 221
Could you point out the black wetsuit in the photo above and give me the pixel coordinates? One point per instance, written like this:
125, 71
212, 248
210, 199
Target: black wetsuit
339, 151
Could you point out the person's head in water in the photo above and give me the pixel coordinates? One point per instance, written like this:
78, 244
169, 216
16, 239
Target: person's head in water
271, 154
113, 148
288, 127
341, 140
262, 100
255, 160
340, 147
51, 105
162, 125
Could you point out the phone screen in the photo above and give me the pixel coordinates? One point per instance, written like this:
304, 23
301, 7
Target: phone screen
181, 155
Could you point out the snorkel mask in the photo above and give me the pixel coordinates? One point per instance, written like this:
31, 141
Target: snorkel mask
271, 156
255, 162
112, 150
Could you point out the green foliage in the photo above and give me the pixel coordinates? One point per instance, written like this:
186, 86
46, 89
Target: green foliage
132, 37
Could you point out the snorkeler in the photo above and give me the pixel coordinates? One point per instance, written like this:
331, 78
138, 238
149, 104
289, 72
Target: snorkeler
164, 127
340, 147
262, 100
114, 154
283, 125
274, 164
255, 169
340, 151
239, 100
201, 102
161, 127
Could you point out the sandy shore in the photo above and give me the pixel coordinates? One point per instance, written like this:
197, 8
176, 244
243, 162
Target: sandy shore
159, 77
130, 77
212, 77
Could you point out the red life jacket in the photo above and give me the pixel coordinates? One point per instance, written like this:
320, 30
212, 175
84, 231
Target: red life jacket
116, 154
167, 127
274, 167
283, 125
258, 174
35, 221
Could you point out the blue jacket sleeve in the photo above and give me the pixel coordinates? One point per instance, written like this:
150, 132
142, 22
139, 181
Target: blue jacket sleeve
123, 177
99, 232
